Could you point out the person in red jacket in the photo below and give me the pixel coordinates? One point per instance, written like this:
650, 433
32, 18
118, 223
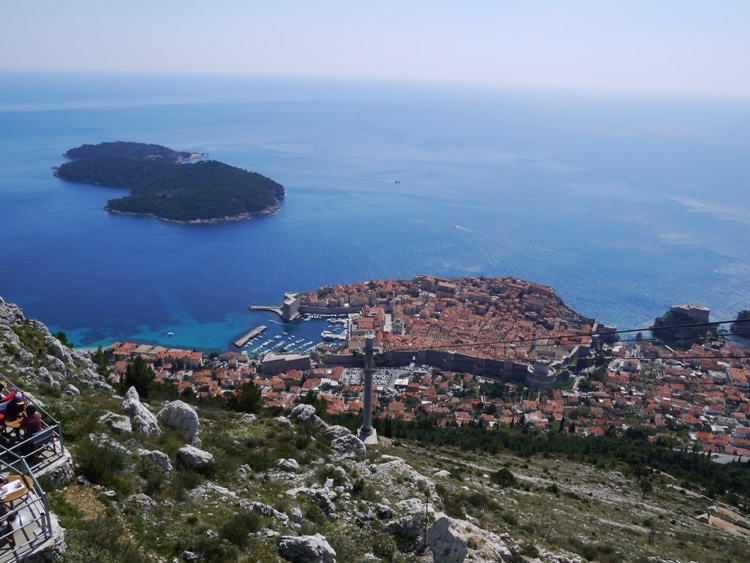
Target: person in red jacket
5, 401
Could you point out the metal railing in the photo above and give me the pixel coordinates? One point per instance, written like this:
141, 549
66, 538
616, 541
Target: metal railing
42, 449
26, 525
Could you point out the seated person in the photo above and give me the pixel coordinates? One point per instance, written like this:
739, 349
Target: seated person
15, 407
31, 425
6, 400
32, 422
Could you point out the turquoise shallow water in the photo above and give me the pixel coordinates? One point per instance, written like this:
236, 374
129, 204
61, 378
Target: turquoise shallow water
625, 206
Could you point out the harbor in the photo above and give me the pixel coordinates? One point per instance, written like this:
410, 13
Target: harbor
242, 340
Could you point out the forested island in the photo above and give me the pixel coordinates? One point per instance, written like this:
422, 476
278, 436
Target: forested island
163, 184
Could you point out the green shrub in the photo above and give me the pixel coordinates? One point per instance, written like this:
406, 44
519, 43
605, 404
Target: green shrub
262, 459
77, 424
213, 549
329, 472
101, 540
236, 528
48, 390
509, 518
314, 514
362, 490
183, 482
153, 475
384, 546
105, 465
350, 544
503, 477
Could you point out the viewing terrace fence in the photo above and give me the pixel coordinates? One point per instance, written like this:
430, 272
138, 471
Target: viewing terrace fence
28, 517
28, 526
43, 449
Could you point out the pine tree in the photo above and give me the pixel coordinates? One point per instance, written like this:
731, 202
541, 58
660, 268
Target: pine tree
139, 375
249, 399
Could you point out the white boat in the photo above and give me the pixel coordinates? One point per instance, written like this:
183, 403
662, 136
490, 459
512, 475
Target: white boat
328, 335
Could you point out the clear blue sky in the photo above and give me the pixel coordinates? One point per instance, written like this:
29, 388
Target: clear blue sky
661, 45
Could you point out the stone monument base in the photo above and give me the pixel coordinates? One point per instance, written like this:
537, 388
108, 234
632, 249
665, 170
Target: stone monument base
370, 439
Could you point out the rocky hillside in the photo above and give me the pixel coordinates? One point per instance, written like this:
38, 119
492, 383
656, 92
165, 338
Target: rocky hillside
161, 480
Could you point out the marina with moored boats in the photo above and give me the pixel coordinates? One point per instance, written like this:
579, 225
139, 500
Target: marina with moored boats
296, 337
242, 340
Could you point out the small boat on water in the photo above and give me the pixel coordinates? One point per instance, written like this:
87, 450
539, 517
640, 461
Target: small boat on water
328, 335
170, 333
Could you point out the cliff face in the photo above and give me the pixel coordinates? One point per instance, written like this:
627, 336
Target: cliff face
30, 354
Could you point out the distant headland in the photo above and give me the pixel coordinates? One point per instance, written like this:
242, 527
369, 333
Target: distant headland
163, 184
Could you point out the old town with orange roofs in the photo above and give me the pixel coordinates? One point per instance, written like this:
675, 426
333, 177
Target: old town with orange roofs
486, 351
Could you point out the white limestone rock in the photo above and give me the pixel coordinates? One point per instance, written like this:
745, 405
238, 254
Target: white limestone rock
144, 419
117, 423
290, 465
323, 497
401, 478
349, 444
306, 549
194, 458
181, 417
247, 419
336, 431
451, 547
159, 458
265, 510
306, 415
284, 421
451, 538
296, 515
406, 527
210, 493
56, 349
142, 501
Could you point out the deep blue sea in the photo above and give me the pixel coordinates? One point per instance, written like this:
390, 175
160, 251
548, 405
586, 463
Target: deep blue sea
624, 204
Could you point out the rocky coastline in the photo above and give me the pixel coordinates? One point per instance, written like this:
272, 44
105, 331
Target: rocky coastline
271, 210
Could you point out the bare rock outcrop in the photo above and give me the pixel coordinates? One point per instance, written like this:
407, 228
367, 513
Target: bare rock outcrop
416, 514
306, 549
194, 458
117, 423
306, 414
342, 439
349, 444
181, 417
145, 421
449, 539
40, 356
158, 457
